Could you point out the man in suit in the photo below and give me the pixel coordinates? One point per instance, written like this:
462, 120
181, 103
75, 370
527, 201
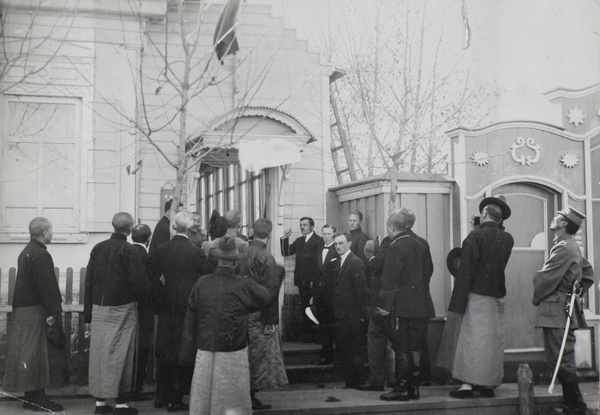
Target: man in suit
323, 294
402, 308
140, 235
358, 238
350, 298
181, 264
563, 270
196, 235
308, 249
162, 231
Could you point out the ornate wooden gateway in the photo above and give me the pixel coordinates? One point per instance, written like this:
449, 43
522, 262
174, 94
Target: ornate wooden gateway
539, 169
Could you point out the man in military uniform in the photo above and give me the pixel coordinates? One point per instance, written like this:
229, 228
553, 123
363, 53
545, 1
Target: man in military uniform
562, 272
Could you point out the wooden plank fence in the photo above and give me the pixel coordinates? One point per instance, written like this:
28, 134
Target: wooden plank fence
77, 334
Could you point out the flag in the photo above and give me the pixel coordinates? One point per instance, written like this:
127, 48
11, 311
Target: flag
224, 39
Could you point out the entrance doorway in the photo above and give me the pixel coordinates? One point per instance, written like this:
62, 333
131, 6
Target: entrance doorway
532, 207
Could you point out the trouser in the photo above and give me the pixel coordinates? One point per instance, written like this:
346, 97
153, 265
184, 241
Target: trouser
169, 382
567, 373
325, 330
144, 344
351, 340
407, 343
305, 295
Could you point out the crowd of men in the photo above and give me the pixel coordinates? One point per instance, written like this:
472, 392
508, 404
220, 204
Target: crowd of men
217, 337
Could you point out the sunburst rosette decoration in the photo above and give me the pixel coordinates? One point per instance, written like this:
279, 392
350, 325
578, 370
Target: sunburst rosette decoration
569, 160
480, 158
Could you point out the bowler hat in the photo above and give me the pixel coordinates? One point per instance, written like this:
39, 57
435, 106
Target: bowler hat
572, 215
217, 226
452, 260
227, 249
499, 201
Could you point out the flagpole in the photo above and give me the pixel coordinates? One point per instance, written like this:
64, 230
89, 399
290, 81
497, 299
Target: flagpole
235, 81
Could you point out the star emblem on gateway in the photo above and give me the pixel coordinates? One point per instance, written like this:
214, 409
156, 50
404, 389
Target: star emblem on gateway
576, 116
569, 160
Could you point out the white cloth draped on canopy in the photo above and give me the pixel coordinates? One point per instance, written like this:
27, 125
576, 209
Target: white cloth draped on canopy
255, 155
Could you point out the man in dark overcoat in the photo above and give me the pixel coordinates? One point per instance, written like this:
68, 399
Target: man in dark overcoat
162, 230
115, 277
323, 295
350, 299
401, 309
140, 235
565, 268
181, 264
428, 270
307, 249
36, 305
216, 332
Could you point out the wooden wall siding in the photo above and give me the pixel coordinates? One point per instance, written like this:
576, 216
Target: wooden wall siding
433, 223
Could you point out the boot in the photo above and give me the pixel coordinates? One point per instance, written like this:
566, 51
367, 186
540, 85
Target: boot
573, 402
415, 380
256, 404
400, 391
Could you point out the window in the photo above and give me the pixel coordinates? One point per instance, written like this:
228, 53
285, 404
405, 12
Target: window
40, 162
235, 189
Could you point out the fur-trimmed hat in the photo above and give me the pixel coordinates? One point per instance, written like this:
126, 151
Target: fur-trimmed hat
227, 249
217, 225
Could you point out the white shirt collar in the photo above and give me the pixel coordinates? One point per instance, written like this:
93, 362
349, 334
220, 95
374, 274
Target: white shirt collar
344, 256
181, 234
327, 246
307, 236
142, 245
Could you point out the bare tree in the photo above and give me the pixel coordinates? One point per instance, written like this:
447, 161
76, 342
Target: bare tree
26, 51
402, 92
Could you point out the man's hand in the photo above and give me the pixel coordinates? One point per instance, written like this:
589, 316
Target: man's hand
287, 233
269, 329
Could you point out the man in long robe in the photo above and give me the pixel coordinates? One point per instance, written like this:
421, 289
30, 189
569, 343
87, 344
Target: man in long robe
115, 277
478, 295
267, 369
215, 333
564, 268
36, 305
